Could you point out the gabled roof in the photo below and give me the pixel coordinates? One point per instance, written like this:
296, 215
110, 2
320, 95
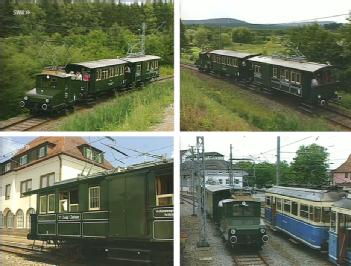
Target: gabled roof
345, 167
232, 53
100, 63
141, 58
299, 65
60, 145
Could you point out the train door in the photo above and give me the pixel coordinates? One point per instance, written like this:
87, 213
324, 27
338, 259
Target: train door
274, 210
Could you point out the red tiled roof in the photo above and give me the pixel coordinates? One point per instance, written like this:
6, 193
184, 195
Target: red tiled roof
345, 167
61, 145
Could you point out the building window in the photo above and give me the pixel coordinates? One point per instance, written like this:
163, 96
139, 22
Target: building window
47, 180
26, 186
99, 157
43, 204
24, 159
29, 212
7, 191
19, 219
7, 167
42, 151
51, 203
94, 198
88, 153
9, 220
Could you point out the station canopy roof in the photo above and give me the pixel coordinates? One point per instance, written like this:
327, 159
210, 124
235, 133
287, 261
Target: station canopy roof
289, 63
306, 193
232, 53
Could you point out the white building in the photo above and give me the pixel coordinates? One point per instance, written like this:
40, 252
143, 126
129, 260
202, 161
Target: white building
41, 163
217, 170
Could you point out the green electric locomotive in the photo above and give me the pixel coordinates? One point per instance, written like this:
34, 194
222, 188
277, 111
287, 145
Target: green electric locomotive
237, 215
61, 88
126, 216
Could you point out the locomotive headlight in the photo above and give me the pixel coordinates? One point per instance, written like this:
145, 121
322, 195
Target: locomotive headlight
336, 92
262, 230
319, 96
25, 98
232, 231
47, 100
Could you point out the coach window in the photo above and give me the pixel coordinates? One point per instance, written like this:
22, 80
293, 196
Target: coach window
275, 72
228, 61
73, 201
287, 205
325, 214
63, 201
43, 204
310, 213
98, 74
304, 211
294, 208
94, 198
298, 78
116, 71
257, 69
156, 64
293, 76
279, 204
317, 214
51, 203
110, 72
286, 75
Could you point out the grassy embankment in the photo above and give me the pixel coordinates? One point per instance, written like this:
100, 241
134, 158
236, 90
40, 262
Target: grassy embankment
213, 105
137, 111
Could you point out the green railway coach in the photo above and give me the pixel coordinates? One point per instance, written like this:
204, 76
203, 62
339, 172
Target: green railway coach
98, 76
313, 83
124, 215
141, 69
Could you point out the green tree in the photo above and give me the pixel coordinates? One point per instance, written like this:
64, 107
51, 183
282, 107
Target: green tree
242, 35
310, 165
201, 37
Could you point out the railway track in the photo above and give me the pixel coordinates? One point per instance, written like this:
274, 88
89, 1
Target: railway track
330, 113
249, 259
188, 199
31, 122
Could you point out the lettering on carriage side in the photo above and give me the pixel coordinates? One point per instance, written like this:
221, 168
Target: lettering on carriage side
68, 217
163, 213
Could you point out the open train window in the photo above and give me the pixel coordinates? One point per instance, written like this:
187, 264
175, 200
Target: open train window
268, 201
275, 72
43, 201
63, 201
164, 190
98, 74
94, 198
51, 203
73, 201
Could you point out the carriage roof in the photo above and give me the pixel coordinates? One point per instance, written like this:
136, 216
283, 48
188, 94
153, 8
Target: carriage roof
141, 58
232, 53
306, 193
299, 65
343, 203
100, 63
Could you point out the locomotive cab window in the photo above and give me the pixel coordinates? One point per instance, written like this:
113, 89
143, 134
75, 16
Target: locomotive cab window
73, 201
164, 190
63, 201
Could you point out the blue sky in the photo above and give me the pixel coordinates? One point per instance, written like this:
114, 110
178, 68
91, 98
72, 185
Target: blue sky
153, 145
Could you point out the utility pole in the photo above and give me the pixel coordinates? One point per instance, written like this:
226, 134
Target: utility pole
231, 167
278, 161
202, 203
192, 178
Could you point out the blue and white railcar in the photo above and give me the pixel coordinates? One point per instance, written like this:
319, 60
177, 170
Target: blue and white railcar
339, 250
302, 213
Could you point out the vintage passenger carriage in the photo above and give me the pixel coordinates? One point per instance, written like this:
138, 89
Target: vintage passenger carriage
125, 216
224, 62
302, 213
237, 215
313, 83
340, 232
60, 89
